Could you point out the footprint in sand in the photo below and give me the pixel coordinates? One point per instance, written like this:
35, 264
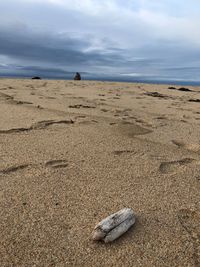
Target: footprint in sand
44, 84
191, 147
19, 102
156, 94
160, 118
13, 169
56, 163
139, 97
101, 95
140, 120
104, 110
50, 97
87, 122
120, 152
80, 117
30, 86
173, 166
6, 97
81, 106
130, 129
190, 221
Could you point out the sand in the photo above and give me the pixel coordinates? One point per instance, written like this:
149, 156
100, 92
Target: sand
73, 152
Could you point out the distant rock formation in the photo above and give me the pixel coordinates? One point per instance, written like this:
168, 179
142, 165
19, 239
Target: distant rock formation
36, 78
77, 77
185, 89
180, 89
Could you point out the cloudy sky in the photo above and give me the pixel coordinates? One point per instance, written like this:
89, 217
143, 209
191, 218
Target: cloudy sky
147, 39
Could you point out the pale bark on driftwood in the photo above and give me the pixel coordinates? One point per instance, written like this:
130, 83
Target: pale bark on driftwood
114, 225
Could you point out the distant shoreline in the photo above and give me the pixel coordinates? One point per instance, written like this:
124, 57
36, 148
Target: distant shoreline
113, 79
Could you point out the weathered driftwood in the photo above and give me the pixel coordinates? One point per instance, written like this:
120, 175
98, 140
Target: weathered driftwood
114, 225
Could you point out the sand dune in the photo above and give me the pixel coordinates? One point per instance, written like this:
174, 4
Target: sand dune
73, 152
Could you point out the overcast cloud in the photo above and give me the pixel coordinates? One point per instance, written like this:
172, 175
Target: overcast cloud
101, 38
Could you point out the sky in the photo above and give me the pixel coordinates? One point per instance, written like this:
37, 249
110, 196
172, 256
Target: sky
136, 39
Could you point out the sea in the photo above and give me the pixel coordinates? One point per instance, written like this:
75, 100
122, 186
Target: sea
113, 79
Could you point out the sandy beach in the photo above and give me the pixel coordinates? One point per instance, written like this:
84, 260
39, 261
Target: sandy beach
74, 152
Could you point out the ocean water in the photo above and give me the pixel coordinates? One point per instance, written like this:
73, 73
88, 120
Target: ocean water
114, 79
153, 81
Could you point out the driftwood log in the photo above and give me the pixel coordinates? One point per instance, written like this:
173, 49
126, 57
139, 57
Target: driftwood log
114, 225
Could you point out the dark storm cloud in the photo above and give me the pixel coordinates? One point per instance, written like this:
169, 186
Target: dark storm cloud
53, 48
67, 54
